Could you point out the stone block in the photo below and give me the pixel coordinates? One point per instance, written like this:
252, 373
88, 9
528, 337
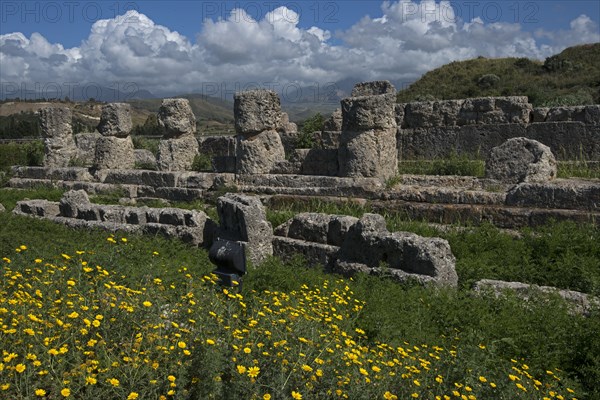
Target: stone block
114, 153
256, 111
369, 112
115, 120
176, 118
260, 153
177, 154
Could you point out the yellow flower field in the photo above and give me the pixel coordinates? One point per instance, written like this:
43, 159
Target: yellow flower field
73, 329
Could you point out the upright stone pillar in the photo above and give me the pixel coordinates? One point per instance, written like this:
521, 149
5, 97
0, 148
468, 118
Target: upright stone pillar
178, 147
258, 117
59, 144
243, 218
114, 149
368, 139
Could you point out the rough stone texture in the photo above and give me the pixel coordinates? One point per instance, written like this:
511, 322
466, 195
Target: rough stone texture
59, 145
369, 112
314, 253
176, 118
368, 154
115, 120
400, 112
86, 147
539, 114
177, 154
521, 160
368, 145
369, 243
334, 122
145, 158
328, 139
579, 303
38, 208
114, 153
243, 218
373, 88
260, 153
312, 227
256, 111
564, 194
2, 209
72, 202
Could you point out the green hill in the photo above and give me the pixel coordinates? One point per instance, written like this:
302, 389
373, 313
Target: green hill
569, 78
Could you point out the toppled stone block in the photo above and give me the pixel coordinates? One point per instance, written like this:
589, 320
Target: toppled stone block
176, 118
260, 153
177, 154
369, 112
256, 111
521, 160
369, 243
368, 154
115, 120
314, 253
561, 194
114, 153
373, 88
243, 218
37, 208
579, 303
72, 202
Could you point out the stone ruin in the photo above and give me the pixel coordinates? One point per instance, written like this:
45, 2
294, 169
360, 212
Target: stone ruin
114, 149
178, 147
58, 136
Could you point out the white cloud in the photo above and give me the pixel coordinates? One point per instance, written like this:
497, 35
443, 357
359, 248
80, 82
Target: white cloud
408, 39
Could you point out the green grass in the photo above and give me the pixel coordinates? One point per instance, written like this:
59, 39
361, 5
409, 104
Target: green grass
569, 78
579, 169
541, 333
453, 165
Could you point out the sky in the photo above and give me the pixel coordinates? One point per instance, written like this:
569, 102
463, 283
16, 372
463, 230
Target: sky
219, 47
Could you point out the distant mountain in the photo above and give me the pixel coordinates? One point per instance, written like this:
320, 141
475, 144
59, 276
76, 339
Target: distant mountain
83, 92
569, 78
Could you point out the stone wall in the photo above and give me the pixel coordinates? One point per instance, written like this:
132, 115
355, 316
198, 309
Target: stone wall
437, 129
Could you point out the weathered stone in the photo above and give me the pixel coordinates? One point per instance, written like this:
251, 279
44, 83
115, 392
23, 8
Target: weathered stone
73, 201
369, 112
171, 216
368, 242
37, 208
86, 147
289, 140
145, 159
422, 115
258, 154
177, 154
115, 120
256, 111
243, 218
578, 303
515, 109
176, 118
334, 122
329, 139
112, 214
368, 154
314, 253
565, 114
322, 162
373, 88
400, 114
114, 153
59, 145
311, 227
539, 114
592, 114
2, 209
562, 194
339, 225
56, 122
521, 160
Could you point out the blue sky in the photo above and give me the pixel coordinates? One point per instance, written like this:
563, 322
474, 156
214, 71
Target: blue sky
170, 46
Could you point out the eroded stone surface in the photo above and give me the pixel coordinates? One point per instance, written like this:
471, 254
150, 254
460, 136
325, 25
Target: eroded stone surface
177, 154
521, 160
243, 218
115, 120
114, 153
260, 153
256, 111
176, 118
57, 131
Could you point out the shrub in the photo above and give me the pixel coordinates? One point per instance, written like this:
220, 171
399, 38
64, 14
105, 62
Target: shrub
202, 162
488, 81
